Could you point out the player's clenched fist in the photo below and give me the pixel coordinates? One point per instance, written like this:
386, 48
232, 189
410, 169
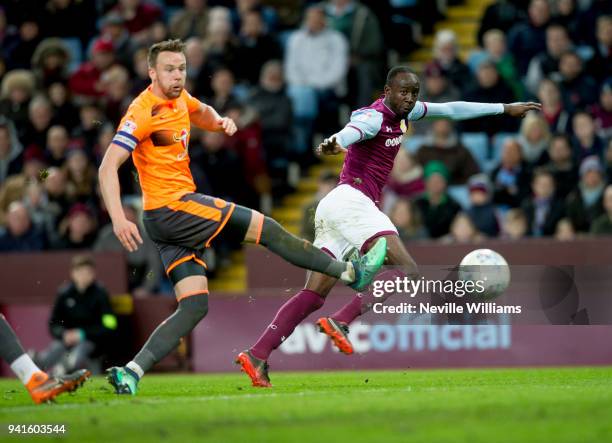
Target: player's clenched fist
228, 125
127, 233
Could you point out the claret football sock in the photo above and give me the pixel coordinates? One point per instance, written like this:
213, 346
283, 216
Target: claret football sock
291, 314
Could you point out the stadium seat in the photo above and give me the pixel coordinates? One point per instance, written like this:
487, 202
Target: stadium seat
75, 49
461, 194
478, 144
414, 142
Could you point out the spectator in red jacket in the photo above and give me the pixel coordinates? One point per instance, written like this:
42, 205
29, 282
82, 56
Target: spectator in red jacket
85, 81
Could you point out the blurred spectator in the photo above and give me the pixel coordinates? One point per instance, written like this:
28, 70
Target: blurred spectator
11, 150
443, 145
367, 49
115, 86
564, 231
602, 225
82, 322
140, 66
20, 49
438, 209
446, 56
482, 210
316, 63
602, 111
18, 86
407, 219
144, 265
533, 138
255, 48
512, 177
502, 15
586, 142
496, 51
56, 146
546, 63
462, 230
436, 89
244, 7
220, 44
562, 166
64, 111
81, 175
14, 186
276, 117
138, 15
247, 143
556, 116
78, 15
190, 21
327, 181
90, 119
57, 202
40, 113
50, 61
543, 209
78, 229
215, 162
577, 88
490, 88
608, 161
515, 225
405, 181
567, 14
585, 204
528, 38
113, 29
85, 80
128, 177
222, 84
600, 66
20, 233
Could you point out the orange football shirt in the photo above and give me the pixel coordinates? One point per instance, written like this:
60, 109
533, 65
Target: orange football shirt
156, 132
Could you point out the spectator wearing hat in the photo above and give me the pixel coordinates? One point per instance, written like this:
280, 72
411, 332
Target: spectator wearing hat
482, 211
436, 89
85, 80
543, 210
437, 208
78, 229
562, 165
585, 204
489, 88
443, 145
585, 142
50, 61
18, 87
14, 186
511, 178
20, 233
602, 225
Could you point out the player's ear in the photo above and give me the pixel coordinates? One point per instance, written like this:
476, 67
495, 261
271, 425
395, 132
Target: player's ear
387, 89
152, 74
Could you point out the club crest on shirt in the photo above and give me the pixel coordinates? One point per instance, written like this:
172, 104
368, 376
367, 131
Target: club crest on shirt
403, 126
128, 126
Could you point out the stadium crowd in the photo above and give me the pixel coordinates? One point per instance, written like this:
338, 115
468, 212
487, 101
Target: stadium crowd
283, 69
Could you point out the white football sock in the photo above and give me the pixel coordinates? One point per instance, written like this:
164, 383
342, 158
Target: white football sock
136, 368
24, 368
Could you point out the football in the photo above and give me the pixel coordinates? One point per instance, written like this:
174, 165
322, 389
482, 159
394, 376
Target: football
489, 268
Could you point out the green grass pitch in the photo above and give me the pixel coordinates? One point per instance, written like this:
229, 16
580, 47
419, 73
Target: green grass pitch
499, 405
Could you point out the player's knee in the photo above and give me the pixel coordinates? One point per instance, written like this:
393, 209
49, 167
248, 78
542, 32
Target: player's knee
196, 305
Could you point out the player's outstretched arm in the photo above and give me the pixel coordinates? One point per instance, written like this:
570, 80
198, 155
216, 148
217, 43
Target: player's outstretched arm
125, 230
207, 118
469, 110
